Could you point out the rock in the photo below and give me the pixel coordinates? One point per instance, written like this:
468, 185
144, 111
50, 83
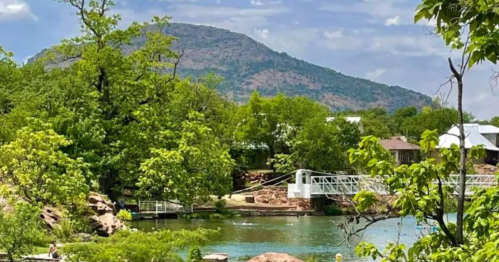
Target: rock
250, 199
50, 216
264, 200
274, 257
94, 199
104, 221
216, 257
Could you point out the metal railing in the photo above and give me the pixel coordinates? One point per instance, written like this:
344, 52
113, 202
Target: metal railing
352, 184
163, 207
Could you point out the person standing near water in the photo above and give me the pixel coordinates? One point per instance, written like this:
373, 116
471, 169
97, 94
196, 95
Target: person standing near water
53, 250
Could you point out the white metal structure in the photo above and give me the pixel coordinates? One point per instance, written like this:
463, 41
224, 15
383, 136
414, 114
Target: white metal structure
162, 207
328, 184
475, 135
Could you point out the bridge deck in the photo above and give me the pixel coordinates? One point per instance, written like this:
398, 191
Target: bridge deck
352, 184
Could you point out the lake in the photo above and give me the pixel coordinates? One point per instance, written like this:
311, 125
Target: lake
303, 237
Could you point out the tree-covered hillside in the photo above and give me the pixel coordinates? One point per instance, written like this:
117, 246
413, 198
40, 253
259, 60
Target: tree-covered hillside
247, 66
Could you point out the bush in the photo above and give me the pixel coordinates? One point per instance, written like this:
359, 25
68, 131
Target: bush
21, 231
125, 245
333, 210
221, 207
63, 231
194, 255
124, 215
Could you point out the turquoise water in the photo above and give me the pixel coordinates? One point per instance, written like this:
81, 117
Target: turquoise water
303, 237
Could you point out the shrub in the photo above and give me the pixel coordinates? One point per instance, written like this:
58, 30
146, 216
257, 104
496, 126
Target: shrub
63, 231
124, 215
21, 231
333, 210
194, 255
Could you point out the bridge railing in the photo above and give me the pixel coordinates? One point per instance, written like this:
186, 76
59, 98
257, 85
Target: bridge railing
351, 184
163, 207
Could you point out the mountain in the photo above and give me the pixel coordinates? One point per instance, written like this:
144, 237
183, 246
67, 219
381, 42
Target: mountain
247, 65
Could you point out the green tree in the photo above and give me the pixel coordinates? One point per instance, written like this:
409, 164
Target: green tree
495, 121
441, 119
472, 27
196, 166
271, 123
20, 231
34, 168
322, 145
422, 192
117, 105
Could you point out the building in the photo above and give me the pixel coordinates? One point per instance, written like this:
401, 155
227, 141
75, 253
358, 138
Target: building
356, 120
476, 134
402, 151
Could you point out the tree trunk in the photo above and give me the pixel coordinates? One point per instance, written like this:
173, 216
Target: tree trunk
462, 150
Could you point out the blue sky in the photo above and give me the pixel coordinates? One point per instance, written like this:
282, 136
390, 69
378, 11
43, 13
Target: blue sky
374, 39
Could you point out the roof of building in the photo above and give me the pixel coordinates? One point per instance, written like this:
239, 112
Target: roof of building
473, 137
485, 129
351, 119
398, 143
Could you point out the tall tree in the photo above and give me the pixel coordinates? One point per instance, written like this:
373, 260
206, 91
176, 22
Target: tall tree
472, 27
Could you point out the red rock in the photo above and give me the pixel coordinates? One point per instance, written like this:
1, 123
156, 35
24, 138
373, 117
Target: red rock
274, 257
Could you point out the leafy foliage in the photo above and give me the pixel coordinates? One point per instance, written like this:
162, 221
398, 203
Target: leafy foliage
20, 231
421, 192
138, 246
465, 24
34, 167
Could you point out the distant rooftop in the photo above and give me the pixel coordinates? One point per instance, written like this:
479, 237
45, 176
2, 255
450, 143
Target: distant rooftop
398, 143
474, 136
484, 129
350, 119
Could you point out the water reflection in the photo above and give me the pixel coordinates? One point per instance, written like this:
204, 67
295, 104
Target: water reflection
302, 237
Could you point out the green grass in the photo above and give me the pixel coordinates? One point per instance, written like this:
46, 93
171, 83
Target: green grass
41, 250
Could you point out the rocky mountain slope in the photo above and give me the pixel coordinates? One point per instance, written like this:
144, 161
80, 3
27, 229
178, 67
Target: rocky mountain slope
247, 65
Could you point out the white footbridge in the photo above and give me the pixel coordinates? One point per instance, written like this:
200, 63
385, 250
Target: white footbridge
309, 185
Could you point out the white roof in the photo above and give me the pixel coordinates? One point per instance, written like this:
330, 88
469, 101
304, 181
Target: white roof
485, 129
473, 138
353, 120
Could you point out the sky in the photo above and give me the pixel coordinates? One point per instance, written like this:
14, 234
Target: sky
373, 39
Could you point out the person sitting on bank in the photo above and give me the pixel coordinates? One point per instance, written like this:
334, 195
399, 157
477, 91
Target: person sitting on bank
53, 250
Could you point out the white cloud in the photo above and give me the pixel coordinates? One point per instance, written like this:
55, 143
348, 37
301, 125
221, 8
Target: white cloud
333, 34
339, 40
376, 73
376, 9
257, 2
262, 33
292, 41
265, 2
14, 10
392, 21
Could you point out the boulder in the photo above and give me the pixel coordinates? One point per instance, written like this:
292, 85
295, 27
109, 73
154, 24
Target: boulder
274, 257
104, 221
50, 216
250, 199
95, 198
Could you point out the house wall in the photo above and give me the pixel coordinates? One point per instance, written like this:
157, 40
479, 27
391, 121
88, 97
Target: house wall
492, 158
405, 156
492, 138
